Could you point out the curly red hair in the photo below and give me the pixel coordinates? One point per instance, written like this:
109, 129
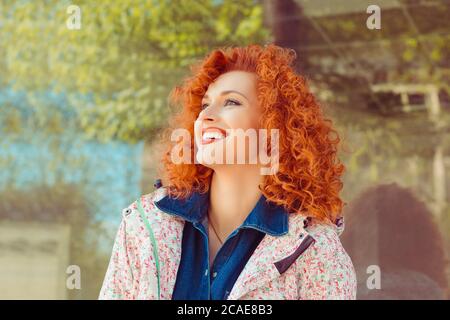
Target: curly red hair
308, 178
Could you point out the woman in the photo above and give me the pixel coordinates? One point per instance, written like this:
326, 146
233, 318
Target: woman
224, 225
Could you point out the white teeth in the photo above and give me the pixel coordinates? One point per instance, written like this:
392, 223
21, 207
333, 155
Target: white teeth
212, 135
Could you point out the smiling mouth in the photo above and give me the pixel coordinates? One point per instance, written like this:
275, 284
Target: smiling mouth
210, 135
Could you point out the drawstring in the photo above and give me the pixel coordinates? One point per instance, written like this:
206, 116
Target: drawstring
152, 238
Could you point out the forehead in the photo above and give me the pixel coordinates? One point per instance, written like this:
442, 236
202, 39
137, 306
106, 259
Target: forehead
240, 81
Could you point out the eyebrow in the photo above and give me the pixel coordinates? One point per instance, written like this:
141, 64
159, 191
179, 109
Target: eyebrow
226, 92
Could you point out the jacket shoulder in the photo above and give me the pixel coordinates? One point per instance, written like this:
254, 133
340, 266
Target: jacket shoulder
133, 251
326, 270
132, 213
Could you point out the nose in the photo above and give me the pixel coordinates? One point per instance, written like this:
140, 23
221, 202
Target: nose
208, 114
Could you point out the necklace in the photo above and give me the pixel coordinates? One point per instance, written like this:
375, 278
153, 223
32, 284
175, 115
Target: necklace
214, 229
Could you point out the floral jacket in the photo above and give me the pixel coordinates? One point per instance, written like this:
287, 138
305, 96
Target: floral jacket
307, 263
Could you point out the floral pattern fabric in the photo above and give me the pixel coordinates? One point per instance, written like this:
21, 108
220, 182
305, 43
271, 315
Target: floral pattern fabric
323, 271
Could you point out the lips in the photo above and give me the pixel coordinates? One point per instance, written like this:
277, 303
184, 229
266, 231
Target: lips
212, 134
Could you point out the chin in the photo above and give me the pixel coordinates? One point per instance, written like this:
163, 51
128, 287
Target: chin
204, 154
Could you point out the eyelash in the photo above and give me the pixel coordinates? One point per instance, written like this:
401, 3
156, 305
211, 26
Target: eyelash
228, 100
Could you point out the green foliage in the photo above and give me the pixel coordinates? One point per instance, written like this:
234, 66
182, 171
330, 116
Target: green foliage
413, 38
128, 54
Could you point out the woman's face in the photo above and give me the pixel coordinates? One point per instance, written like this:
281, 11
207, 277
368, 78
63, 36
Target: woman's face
230, 103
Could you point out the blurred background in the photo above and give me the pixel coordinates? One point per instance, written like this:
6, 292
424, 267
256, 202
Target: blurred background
84, 91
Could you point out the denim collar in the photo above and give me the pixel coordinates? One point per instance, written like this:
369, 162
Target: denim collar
265, 216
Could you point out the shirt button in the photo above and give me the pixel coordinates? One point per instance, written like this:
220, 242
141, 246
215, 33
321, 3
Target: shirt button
206, 272
214, 274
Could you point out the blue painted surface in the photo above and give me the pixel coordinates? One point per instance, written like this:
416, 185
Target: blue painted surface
109, 174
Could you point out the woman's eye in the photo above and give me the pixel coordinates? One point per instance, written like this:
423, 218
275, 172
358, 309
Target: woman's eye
227, 102
233, 102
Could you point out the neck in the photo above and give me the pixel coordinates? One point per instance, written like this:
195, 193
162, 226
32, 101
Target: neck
234, 193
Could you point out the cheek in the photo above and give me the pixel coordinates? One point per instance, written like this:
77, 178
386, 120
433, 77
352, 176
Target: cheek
244, 119
197, 128
241, 119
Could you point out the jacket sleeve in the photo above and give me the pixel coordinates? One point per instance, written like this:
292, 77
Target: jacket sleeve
326, 271
119, 280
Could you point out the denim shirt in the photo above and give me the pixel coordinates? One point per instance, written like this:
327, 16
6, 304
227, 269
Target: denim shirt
196, 279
